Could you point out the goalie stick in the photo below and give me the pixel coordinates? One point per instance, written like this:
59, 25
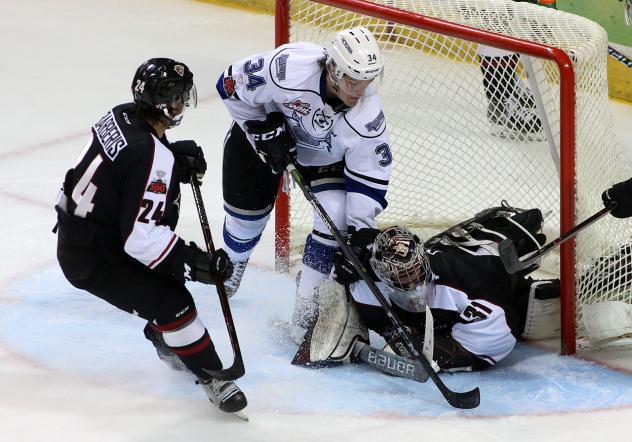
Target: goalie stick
509, 254
397, 365
468, 399
390, 363
236, 370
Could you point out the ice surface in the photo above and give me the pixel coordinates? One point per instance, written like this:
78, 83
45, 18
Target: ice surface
73, 368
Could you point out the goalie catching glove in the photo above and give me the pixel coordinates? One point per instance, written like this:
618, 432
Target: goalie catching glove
273, 142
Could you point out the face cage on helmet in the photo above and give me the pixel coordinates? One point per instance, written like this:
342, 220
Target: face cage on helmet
392, 269
187, 99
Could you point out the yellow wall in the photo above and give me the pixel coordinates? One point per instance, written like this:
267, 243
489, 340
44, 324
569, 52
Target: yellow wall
260, 6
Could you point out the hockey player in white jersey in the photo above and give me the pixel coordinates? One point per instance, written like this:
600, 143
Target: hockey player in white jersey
320, 106
478, 309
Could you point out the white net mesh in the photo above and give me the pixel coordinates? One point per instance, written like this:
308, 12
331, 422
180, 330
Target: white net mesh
452, 156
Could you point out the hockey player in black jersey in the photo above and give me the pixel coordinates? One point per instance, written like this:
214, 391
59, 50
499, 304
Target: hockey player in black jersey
478, 310
117, 213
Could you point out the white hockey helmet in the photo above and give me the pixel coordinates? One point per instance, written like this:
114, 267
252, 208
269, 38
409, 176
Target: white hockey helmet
399, 259
355, 52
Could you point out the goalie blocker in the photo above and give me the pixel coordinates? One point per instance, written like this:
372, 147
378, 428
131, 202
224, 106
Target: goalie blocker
475, 325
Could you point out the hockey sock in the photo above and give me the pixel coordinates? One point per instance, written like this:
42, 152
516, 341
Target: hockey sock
189, 339
241, 236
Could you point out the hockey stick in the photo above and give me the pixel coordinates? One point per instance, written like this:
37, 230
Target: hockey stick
509, 254
619, 56
468, 399
236, 370
390, 363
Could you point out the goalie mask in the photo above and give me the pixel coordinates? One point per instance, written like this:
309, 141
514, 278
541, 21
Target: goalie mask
165, 87
399, 259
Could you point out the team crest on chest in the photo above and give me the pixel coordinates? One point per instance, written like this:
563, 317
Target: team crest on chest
158, 185
299, 106
321, 120
307, 140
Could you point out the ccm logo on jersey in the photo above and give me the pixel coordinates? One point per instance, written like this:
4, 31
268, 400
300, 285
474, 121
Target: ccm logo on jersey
158, 185
269, 135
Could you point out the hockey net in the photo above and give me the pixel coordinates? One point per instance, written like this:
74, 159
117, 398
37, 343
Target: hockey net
450, 161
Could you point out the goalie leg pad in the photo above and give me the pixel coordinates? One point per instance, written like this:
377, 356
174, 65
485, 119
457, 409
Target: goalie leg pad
607, 320
337, 327
543, 310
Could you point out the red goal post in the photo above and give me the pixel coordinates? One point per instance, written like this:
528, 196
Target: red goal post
567, 129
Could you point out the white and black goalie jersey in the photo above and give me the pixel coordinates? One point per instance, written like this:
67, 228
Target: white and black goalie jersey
292, 80
471, 297
125, 182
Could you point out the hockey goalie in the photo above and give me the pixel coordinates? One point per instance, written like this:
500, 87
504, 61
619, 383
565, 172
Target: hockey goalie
463, 310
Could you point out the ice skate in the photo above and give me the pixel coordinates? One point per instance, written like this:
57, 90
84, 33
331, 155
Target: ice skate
232, 284
226, 395
516, 117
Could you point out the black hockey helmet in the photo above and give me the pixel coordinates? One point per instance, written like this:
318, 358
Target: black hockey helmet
164, 85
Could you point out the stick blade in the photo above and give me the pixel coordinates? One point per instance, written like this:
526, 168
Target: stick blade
231, 373
509, 256
465, 400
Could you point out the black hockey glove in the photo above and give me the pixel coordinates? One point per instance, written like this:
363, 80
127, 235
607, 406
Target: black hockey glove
394, 339
620, 193
190, 160
205, 267
273, 141
359, 242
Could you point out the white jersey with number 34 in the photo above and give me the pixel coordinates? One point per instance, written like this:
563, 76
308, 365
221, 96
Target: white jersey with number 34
292, 80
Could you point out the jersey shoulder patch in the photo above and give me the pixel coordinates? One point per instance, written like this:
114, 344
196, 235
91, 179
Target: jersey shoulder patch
295, 66
367, 118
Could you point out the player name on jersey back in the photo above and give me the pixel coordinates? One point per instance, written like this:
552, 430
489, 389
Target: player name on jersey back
110, 135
